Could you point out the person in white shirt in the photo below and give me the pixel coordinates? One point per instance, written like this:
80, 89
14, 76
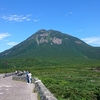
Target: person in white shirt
30, 77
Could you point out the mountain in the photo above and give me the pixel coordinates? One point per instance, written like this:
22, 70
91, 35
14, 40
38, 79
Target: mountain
54, 45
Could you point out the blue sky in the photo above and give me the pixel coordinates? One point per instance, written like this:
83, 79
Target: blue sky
19, 19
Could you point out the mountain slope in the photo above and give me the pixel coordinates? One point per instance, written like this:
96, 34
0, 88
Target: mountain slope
51, 44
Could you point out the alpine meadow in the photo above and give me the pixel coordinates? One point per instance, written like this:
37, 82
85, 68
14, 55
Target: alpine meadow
69, 67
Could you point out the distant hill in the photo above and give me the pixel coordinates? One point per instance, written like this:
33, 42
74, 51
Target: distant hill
52, 45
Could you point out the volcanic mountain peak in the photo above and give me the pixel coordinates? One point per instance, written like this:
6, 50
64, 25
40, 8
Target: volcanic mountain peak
44, 36
50, 44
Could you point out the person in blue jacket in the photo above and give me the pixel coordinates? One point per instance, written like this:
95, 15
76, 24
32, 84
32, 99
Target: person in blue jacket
27, 77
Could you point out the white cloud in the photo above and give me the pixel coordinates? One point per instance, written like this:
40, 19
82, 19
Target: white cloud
36, 20
12, 43
3, 35
17, 18
69, 13
94, 41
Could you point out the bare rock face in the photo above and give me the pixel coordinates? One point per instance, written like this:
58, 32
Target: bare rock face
57, 40
44, 36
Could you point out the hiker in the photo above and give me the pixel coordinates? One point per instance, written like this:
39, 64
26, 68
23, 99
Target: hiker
30, 77
27, 77
16, 72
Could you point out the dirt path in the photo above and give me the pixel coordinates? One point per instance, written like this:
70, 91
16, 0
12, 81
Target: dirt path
16, 90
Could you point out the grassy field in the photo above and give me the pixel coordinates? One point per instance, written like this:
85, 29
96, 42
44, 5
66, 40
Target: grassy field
68, 82
71, 83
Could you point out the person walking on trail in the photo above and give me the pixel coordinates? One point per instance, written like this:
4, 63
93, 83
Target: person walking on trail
30, 77
27, 77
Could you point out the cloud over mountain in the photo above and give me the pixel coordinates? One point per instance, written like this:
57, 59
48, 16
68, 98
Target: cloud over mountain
92, 41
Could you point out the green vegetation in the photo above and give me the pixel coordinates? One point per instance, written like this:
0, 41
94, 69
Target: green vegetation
67, 81
65, 64
73, 83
